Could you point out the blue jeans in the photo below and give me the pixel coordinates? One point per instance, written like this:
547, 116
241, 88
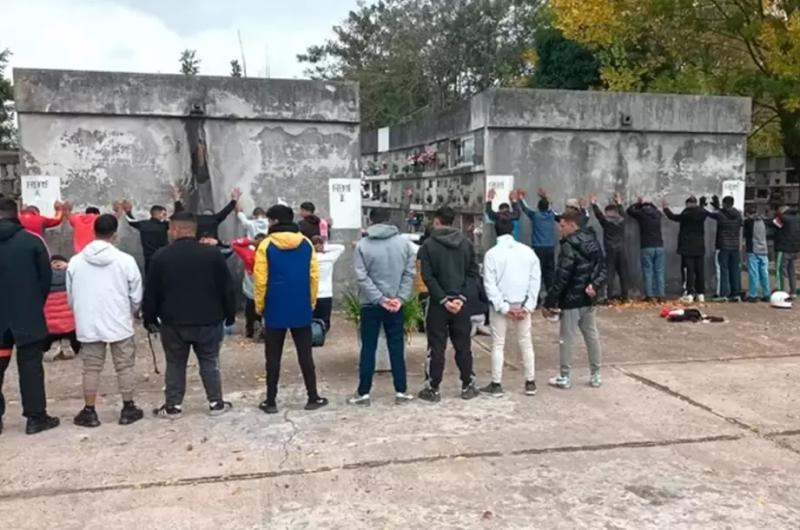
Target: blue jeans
653, 271
730, 274
757, 275
372, 318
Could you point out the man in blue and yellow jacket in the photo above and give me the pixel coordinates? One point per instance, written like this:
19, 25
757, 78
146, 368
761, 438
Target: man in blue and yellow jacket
286, 278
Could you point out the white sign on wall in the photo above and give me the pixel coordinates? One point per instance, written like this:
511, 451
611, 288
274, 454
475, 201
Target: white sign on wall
383, 139
41, 191
345, 202
734, 188
502, 185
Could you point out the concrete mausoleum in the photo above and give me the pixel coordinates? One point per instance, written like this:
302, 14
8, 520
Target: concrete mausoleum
119, 135
569, 143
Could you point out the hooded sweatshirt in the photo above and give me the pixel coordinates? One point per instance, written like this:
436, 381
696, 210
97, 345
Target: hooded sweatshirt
105, 290
286, 277
649, 219
449, 265
511, 275
613, 228
385, 265
692, 233
254, 226
755, 236
327, 259
729, 228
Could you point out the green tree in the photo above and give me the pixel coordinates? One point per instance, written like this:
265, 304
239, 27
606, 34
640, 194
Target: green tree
562, 63
413, 56
190, 63
236, 68
8, 132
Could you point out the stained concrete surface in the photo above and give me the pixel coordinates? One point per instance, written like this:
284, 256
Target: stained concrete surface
694, 428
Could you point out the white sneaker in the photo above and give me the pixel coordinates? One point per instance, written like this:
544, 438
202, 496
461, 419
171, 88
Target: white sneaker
701, 299
401, 398
687, 299
357, 399
53, 353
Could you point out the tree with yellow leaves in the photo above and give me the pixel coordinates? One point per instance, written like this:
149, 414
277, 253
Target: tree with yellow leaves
736, 47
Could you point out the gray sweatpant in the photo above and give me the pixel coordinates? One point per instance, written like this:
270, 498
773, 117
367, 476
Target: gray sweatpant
582, 319
123, 353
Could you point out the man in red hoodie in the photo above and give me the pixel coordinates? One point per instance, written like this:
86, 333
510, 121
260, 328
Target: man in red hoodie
34, 222
83, 226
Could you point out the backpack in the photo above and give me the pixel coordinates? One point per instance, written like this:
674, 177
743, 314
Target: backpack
318, 333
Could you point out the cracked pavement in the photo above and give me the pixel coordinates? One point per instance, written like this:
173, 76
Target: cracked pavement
696, 426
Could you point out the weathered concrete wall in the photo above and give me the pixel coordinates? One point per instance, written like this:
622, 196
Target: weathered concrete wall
577, 143
112, 135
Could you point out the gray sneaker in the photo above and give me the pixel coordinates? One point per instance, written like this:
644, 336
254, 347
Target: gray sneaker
493, 389
363, 401
470, 391
218, 408
430, 394
596, 381
561, 381
401, 398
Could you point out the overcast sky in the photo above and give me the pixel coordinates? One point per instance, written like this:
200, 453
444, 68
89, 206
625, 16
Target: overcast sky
148, 35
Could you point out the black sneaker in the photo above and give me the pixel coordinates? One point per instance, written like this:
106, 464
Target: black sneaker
130, 414
470, 391
660, 300
87, 418
752, 300
765, 299
268, 408
493, 389
430, 394
218, 408
40, 424
530, 388
316, 403
169, 412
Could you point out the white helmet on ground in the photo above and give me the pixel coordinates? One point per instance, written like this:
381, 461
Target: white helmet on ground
780, 300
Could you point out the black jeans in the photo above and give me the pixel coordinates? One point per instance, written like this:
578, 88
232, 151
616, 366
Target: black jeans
440, 325
206, 341
730, 272
273, 351
250, 318
617, 263
31, 376
323, 310
73, 341
372, 318
547, 262
695, 274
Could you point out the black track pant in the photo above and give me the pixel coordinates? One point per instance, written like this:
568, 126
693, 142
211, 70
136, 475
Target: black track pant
617, 263
695, 274
440, 325
547, 262
250, 318
273, 347
31, 375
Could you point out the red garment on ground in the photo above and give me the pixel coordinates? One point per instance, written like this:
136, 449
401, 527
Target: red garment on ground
83, 225
58, 314
36, 224
245, 249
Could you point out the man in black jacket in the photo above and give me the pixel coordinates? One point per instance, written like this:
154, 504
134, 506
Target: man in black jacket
154, 232
692, 246
652, 244
729, 245
450, 272
613, 223
24, 283
580, 274
188, 295
787, 248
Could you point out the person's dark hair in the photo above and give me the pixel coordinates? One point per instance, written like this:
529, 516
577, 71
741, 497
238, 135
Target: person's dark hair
610, 208
259, 211
259, 238
281, 213
105, 226
8, 209
379, 215
32, 208
317, 240
543, 205
58, 257
571, 215
445, 215
504, 226
157, 209
727, 202
692, 200
91, 210
504, 207
308, 206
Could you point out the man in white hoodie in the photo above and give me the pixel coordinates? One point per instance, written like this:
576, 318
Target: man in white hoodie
105, 290
255, 226
511, 277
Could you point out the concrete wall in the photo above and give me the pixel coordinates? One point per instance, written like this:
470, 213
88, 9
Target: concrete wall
577, 143
114, 135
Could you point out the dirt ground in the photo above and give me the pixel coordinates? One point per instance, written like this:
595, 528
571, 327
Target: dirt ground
696, 426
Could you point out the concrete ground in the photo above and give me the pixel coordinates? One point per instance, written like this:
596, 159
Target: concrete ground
696, 426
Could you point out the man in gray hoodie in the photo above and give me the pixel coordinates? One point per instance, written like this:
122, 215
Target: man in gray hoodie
385, 266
